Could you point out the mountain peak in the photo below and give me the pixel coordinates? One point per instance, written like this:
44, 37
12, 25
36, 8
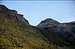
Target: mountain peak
48, 23
50, 20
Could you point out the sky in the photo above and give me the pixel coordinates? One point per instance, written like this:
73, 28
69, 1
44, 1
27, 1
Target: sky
36, 11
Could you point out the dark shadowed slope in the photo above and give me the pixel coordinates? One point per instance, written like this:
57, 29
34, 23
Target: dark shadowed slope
60, 33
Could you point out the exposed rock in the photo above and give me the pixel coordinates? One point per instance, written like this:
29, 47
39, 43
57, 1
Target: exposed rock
3, 8
12, 11
21, 18
12, 14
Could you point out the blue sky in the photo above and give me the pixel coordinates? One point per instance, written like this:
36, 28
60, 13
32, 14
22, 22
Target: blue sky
36, 11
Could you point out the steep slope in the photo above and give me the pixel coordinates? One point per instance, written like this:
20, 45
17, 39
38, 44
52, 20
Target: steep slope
49, 30
16, 33
62, 34
68, 30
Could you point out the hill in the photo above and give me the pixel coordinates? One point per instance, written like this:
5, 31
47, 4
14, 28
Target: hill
17, 33
62, 34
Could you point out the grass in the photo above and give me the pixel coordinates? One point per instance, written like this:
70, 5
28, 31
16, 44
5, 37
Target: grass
18, 35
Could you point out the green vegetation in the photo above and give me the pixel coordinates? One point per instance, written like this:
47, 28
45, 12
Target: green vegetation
18, 35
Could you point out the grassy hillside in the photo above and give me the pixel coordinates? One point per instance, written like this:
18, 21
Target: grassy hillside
18, 35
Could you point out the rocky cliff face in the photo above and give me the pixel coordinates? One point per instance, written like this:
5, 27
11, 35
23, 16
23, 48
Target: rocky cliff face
56, 32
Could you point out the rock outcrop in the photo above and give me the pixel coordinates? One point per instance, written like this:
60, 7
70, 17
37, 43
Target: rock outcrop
12, 14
